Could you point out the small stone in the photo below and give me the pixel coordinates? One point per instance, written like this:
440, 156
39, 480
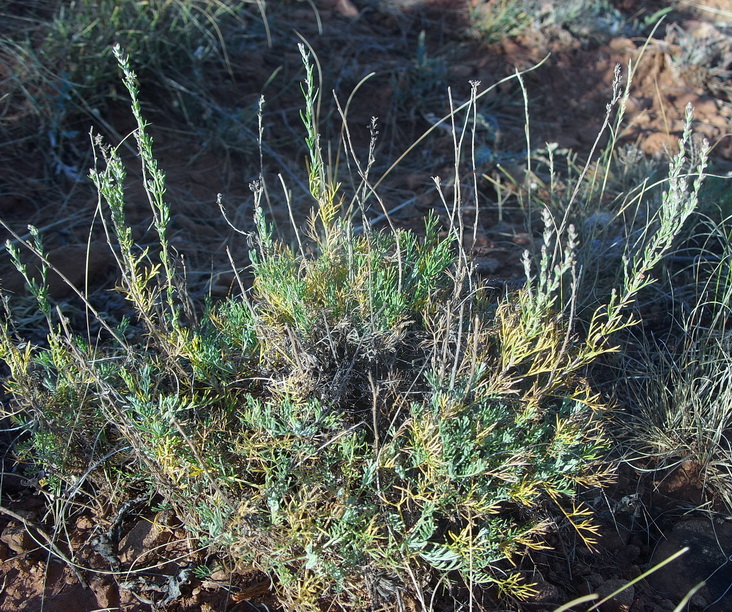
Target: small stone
625, 45
660, 143
106, 593
546, 593
708, 543
219, 575
84, 523
16, 538
620, 602
167, 518
595, 580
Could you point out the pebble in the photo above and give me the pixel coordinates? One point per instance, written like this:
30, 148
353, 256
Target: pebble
16, 538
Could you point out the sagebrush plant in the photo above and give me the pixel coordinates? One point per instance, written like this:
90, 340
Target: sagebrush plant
365, 423
674, 380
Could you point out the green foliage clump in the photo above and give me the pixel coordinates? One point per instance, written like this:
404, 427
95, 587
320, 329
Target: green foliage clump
364, 423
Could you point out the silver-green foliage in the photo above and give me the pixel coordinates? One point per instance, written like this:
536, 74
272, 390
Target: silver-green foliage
364, 421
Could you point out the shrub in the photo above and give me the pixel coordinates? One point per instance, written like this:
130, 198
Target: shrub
366, 423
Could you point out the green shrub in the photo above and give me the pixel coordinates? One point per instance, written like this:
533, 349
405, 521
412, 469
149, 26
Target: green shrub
365, 422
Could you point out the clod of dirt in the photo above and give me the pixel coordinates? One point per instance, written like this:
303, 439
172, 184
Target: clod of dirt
105, 591
620, 602
144, 536
546, 593
16, 538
